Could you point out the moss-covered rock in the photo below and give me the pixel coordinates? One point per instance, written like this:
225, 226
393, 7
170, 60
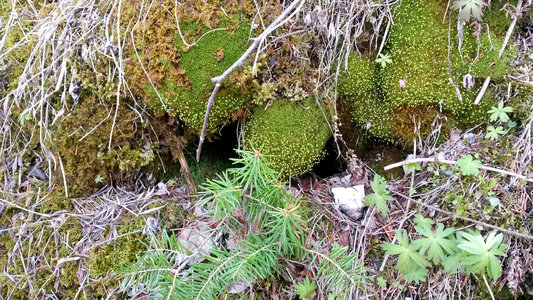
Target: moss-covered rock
293, 134
422, 78
181, 73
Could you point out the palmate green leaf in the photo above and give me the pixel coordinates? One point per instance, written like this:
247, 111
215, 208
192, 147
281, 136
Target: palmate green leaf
408, 168
380, 196
305, 289
409, 258
469, 8
417, 275
384, 60
481, 253
437, 244
421, 221
500, 112
494, 133
468, 165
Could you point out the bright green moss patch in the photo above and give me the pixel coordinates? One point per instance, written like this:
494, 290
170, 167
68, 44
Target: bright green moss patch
421, 80
293, 134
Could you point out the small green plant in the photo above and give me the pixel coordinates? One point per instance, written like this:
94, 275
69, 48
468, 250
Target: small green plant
494, 133
380, 196
305, 289
410, 262
469, 251
250, 193
383, 60
500, 112
469, 8
468, 165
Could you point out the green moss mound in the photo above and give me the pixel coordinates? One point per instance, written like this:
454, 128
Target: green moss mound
292, 134
420, 83
212, 55
175, 77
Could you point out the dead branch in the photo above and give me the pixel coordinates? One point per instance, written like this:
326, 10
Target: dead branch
451, 162
286, 15
451, 214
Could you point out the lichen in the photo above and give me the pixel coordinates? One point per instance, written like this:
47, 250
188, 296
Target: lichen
415, 87
293, 134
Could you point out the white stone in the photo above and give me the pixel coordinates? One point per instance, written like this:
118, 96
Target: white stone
349, 200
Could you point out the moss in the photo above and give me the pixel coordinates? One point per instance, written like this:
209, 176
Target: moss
293, 134
420, 61
42, 246
82, 138
182, 74
104, 259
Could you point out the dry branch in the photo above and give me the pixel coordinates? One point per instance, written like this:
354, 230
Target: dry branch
284, 17
452, 162
451, 214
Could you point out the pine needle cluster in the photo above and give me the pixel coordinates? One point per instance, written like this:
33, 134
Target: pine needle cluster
249, 194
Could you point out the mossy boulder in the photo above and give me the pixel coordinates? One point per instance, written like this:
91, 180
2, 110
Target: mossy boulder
422, 80
293, 134
176, 76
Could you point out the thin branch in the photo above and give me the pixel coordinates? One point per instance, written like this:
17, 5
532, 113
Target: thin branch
451, 214
284, 17
452, 162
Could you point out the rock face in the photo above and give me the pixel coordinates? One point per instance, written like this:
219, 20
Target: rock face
422, 80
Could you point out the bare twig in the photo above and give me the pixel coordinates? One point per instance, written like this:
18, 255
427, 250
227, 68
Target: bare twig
452, 162
451, 214
284, 17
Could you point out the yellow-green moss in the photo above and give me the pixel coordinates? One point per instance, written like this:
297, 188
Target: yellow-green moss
43, 247
81, 139
200, 64
418, 48
39, 246
292, 133
105, 259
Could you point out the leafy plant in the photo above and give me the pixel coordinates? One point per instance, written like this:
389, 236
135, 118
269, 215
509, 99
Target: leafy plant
500, 112
380, 196
305, 289
468, 165
494, 133
409, 259
469, 251
481, 253
249, 193
383, 60
434, 244
469, 8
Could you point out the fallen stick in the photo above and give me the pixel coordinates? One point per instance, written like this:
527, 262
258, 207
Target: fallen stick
451, 214
451, 162
284, 17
